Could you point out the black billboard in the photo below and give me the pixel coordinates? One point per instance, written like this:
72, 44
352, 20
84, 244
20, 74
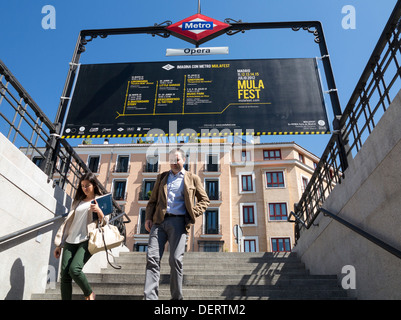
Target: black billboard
269, 96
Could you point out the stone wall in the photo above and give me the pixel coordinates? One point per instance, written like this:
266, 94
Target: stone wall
26, 198
370, 198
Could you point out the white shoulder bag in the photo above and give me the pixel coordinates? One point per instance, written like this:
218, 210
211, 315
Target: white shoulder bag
105, 238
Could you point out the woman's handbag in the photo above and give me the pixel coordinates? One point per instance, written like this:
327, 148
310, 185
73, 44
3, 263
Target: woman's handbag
105, 238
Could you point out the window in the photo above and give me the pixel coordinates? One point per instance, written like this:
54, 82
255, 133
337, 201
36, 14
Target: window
152, 164
210, 246
275, 179
212, 189
147, 188
249, 245
281, 245
278, 211
37, 161
93, 163
272, 154
186, 164
305, 182
245, 155
248, 214
119, 189
211, 221
61, 165
246, 182
142, 229
301, 158
122, 164
212, 163
141, 247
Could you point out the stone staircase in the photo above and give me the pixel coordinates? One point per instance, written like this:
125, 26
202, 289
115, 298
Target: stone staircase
214, 276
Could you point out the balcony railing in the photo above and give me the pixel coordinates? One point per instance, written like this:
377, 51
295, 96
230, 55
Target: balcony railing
210, 246
120, 196
216, 196
140, 229
151, 167
144, 195
211, 229
212, 168
121, 169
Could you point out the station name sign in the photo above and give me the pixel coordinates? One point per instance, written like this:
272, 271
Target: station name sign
196, 51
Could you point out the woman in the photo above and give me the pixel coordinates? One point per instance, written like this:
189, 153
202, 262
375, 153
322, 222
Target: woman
73, 237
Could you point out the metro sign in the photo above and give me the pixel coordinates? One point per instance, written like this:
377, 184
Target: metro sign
198, 28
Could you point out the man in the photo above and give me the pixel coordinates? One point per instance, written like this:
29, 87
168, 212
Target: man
169, 214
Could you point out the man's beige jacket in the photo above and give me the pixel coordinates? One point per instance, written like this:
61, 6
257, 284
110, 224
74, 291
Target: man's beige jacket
193, 188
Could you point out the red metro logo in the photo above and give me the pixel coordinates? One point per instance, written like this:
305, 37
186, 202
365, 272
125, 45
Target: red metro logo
198, 28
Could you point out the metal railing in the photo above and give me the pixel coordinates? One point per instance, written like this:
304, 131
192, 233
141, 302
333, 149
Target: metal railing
121, 168
215, 196
26, 126
210, 246
212, 168
30, 129
376, 89
29, 229
363, 233
151, 168
209, 229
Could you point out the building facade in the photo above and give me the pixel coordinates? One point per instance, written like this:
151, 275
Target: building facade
253, 186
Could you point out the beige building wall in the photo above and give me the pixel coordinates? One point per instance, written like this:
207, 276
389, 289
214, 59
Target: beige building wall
293, 169
231, 164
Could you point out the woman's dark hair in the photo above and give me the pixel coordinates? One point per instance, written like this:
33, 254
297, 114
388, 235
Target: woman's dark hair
80, 195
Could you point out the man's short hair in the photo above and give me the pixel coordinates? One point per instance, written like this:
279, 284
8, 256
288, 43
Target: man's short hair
174, 151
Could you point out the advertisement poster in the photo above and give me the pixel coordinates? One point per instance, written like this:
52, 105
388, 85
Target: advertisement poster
269, 96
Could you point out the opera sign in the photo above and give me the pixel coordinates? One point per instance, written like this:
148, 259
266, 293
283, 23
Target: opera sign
196, 51
198, 28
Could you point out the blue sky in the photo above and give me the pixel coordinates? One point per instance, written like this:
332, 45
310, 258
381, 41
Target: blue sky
39, 58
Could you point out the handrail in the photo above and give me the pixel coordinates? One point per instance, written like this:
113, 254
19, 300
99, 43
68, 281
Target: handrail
59, 156
119, 216
297, 219
364, 234
389, 29
371, 98
25, 95
29, 229
46, 222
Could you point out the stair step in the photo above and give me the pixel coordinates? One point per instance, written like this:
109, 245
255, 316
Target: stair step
222, 273
213, 276
223, 289
223, 263
220, 256
207, 294
210, 280
219, 265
